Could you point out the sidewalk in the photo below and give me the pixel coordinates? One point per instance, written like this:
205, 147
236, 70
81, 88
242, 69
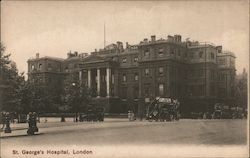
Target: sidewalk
51, 122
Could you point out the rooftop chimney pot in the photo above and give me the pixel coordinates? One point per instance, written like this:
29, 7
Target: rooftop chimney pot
153, 38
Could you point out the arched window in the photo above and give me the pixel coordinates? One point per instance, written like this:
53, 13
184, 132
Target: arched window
124, 78
32, 67
40, 66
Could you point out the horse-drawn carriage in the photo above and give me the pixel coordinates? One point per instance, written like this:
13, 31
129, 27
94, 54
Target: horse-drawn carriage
92, 113
163, 109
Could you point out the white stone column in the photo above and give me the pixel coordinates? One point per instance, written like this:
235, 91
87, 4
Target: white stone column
80, 75
89, 78
108, 72
98, 82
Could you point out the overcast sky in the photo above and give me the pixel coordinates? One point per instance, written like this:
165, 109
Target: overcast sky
55, 28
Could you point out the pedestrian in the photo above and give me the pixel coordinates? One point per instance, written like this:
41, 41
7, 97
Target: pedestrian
34, 117
29, 118
141, 115
132, 116
129, 115
7, 123
3, 119
204, 115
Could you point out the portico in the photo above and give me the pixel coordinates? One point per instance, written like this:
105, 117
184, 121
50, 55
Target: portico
101, 78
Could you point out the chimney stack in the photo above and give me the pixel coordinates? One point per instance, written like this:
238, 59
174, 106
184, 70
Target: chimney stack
119, 45
127, 46
153, 38
177, 38
76, 53
37, 55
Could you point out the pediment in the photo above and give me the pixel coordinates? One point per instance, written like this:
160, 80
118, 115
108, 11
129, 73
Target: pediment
93, 58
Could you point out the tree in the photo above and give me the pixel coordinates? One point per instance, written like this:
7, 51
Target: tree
18, 95
34, 98
75, 97
241, 89
10, 82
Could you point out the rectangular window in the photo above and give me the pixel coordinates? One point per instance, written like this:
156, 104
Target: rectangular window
135, 59
191, 54
212, 55
200, 72
146, 53
32, 67
185, 54
147, 89
161, 89
124, 92
160, 53
161, 70
171, 51
136, 77
179, 52
212, 75
112, 79
200, 54
147, 72
124, 78
136, 92
212, 89
66, 69
222, 92
124, 60
222, 61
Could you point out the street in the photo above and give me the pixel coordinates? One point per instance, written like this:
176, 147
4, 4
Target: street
120, 132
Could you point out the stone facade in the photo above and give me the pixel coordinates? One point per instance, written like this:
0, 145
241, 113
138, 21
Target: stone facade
198, 74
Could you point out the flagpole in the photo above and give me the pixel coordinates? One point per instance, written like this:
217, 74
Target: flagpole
104, 35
